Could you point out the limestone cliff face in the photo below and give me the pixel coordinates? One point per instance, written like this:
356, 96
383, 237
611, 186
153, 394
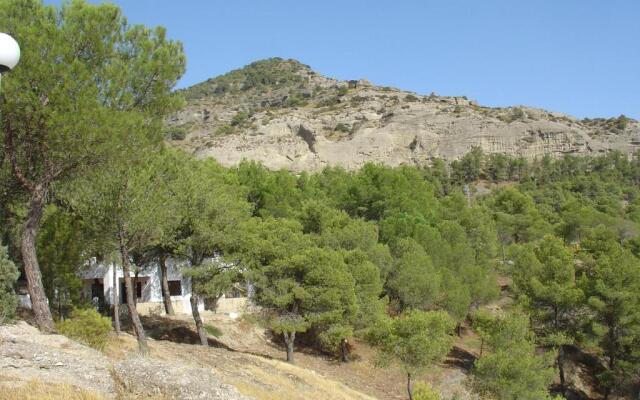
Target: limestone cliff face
284, 115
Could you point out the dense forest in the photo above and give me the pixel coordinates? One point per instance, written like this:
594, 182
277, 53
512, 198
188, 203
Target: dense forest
384, 254
404, 258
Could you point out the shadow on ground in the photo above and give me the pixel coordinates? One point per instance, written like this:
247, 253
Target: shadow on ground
161, 328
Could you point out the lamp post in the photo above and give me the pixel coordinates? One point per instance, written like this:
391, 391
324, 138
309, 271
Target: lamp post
9, 54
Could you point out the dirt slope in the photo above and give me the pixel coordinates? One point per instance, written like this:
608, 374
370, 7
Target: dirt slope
172, 371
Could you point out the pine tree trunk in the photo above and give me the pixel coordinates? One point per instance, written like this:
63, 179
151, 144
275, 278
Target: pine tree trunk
39, 305
289, 339
166, 295
116, 300
196, 317
612, 360
409, 386
560, 361
135, 288
344, 350
212, 303
133, 312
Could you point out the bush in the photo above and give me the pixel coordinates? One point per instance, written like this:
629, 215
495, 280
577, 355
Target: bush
8, 277
295, 100
177, 133
240, 118
517, 114
224, 130
213, 330
87, 326
344, 128
332, 337
424, 391
411, 98
343, 91
622, 122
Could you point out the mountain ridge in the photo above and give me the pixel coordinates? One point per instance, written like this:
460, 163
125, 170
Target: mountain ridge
287, 116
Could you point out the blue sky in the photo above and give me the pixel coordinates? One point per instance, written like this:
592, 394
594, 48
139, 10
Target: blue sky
581, 57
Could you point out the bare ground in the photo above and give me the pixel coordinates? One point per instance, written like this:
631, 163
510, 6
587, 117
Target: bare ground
245, 351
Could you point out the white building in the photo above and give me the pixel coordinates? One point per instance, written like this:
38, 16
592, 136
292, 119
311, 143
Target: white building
99, 288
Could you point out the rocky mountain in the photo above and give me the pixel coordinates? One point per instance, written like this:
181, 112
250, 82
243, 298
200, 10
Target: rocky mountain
284, 115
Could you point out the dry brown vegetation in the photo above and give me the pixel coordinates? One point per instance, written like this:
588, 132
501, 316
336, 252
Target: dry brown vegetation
36, 390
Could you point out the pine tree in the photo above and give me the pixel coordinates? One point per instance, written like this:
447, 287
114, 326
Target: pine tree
91, 86
301, 285
511, 370
611, 283
545, 279
415, 340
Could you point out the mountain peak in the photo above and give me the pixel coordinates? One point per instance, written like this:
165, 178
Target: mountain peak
270, 73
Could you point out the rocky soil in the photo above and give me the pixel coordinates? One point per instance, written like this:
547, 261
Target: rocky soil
244, 362
285, 115
255, 365
27, 355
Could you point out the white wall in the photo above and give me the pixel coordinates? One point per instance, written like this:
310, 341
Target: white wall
151, 284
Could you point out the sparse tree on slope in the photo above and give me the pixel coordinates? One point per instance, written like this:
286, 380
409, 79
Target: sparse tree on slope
415, 340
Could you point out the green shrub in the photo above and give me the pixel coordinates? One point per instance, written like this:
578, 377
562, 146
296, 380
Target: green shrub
329, 102
342, 128
357, 100
517, 114
239, 118
295, 99
177, 133
224, 130
622, 122
8, 277
343, 90
424, 391
213, 330
331, 338
87, 326
411, 98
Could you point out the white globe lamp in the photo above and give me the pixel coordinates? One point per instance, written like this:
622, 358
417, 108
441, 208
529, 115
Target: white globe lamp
9, 53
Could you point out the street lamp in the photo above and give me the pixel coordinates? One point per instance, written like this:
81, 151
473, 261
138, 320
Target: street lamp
9, 53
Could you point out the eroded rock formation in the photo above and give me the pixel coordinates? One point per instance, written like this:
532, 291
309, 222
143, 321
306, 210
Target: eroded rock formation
284, 115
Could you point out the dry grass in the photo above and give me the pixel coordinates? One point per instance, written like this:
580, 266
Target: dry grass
279, 380
36, 390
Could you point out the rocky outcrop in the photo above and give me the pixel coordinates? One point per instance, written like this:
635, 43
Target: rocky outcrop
305, 122
143, 377
28, 355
